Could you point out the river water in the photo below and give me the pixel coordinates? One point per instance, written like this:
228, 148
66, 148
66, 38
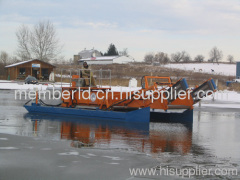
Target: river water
213, 141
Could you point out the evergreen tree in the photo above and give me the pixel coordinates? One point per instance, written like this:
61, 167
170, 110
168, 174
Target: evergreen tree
112, 51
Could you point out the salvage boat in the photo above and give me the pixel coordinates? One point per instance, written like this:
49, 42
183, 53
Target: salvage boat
153, 100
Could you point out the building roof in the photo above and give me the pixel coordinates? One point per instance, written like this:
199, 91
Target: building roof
89, 53
23, 62
100, 58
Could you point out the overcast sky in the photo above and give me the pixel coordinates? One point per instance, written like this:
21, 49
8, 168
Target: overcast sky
142, 26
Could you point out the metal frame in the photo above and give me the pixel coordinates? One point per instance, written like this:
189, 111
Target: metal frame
99, 72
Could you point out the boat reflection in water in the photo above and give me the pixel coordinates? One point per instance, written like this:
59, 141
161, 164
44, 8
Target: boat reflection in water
141, 137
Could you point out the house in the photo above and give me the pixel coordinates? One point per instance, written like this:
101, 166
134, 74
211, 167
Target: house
89, 53
33, 67
107, 60
86, 54
95, 57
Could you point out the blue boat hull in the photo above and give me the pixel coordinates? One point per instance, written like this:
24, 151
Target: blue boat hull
185, 117
139, 116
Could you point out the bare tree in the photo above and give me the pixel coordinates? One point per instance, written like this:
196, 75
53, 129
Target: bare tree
215, 55
161, 58
186, 58
124, 52
149, 58
230, 58
178, 56
40, 42
199, 58
70, 61
158, 57
4, 57
166, 59
14, 59
23, 37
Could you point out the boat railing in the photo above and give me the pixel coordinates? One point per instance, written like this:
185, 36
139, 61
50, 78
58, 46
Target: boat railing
101, 77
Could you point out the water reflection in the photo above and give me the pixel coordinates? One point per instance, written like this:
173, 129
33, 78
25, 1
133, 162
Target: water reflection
146, 138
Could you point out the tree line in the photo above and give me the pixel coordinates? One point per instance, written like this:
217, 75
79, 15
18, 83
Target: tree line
112, 51
215, 55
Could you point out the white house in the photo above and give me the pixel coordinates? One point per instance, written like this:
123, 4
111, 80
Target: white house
89, 53
107, 60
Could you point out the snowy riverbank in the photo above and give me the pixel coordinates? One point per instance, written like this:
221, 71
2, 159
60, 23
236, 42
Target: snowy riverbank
21, 85
209, 68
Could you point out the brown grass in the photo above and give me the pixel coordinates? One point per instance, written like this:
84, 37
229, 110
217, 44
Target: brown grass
3, 77
122, 73
3, 71
221, 86
235, 87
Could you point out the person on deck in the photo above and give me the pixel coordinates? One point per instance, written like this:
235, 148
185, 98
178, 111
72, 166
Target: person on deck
87, 75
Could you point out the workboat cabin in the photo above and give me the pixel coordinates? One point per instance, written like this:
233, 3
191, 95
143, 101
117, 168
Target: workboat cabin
34, 67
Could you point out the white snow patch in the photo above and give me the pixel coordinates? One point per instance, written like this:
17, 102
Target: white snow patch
4, 139
222, 99
89, 154
69, 154
113, 163
8, 148
221, 69
46, 149
113, 158
124, 89
84, 156
22, 86
75, 161
5, 81
230, 96
30, 147
232, 106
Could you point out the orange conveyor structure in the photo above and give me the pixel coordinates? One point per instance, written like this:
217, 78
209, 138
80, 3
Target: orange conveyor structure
162, 94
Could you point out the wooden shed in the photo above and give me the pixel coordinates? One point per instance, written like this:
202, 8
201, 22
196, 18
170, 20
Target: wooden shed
33, 67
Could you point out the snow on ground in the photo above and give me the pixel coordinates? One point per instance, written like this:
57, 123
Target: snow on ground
222, 99
225, 105
221, 69
21, 85
123, 89
230, 96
